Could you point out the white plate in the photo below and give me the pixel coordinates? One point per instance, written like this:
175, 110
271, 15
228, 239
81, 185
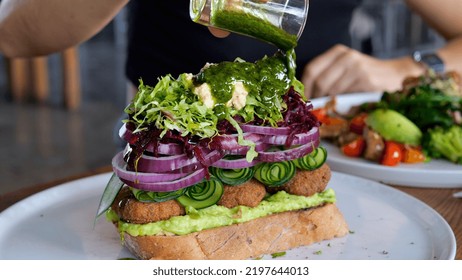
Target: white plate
435, 174
385, 223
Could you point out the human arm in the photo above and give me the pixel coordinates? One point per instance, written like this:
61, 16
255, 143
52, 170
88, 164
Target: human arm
444, 17
341, 69
32, 27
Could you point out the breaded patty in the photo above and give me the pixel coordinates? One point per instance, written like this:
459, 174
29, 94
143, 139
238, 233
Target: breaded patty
250, 193
129, 209
306, 182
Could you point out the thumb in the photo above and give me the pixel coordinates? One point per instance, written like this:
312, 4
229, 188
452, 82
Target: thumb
219, 33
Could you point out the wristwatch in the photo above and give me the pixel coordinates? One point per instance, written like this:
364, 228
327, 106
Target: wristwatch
429, 60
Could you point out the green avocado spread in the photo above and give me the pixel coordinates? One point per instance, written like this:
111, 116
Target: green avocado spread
217, 216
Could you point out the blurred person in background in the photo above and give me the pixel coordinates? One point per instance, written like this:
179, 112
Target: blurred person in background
162, 39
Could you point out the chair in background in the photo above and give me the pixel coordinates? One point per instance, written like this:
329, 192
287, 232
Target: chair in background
30, 78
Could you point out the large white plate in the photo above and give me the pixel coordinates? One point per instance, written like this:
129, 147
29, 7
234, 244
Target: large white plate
436, 173
385, 224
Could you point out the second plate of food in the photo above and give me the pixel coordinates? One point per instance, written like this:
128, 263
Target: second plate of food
433, 174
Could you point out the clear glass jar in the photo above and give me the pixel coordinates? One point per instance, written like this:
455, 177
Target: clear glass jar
279, 22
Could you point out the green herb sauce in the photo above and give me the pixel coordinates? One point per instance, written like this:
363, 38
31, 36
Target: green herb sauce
278, 254
266, 81
256, 27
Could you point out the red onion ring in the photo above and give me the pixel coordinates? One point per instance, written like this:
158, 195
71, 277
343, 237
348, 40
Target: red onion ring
171, 163
174, 185
119, 168
265, 130
234, 163
229, 142
126, 134
242, 150
166, 149
299, 139
288, 154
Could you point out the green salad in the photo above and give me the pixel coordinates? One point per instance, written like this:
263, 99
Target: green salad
434, 104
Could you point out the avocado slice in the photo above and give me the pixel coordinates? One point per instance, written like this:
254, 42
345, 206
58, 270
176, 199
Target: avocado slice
394, 126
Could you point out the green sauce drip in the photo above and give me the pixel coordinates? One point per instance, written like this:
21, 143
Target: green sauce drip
256, 27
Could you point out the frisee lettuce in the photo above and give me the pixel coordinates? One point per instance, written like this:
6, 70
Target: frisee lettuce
172, 105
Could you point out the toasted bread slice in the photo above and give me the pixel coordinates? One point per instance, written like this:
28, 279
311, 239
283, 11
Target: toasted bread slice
266, 235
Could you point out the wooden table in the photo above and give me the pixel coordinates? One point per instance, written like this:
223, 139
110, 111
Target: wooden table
440, 199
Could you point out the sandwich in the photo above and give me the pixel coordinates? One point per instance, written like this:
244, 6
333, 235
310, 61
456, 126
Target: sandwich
223, 164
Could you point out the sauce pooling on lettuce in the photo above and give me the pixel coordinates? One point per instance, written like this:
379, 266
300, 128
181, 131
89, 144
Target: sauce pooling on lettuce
264, 83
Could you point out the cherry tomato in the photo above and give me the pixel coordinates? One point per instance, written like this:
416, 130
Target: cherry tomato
358, 123
333, 121
320, 113
393, 153
324, 118
354, 148
413, 155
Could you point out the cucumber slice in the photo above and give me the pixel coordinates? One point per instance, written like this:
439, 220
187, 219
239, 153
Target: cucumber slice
313, 160
273, 174
203, 194
147, 196
232, 177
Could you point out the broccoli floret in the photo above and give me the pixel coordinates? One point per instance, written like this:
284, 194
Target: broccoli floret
445, 143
